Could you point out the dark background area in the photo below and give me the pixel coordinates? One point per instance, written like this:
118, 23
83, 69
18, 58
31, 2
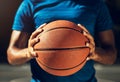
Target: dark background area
7, 12
114, 9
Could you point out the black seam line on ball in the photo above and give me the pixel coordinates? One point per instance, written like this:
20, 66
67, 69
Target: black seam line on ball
60, 69
81, 31
54, 49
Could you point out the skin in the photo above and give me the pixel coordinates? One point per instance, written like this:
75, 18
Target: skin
20, 49
106, 54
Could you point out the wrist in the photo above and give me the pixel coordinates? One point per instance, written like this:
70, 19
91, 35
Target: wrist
28, 55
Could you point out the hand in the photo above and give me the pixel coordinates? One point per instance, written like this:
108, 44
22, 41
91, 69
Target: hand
34, 38
90, 44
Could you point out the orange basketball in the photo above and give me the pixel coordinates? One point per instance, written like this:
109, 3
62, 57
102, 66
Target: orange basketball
61, 50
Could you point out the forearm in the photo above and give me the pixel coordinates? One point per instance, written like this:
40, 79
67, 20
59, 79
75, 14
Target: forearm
106, 53
105, 56
17, 56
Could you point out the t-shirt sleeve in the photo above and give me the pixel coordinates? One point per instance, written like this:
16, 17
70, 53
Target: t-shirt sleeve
23, 20
103, 21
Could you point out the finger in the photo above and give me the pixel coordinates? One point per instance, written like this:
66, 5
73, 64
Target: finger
35, 33
87, 59
41, 26
86, 32
91, 46
34, 41
83, 28
91, 39
34, 54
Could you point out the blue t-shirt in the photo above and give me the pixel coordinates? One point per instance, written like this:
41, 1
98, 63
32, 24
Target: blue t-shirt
93, 14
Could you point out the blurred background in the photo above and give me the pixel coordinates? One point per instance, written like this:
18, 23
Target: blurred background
10, 73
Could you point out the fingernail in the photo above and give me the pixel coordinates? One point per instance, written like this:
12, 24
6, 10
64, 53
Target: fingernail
40, 30
87, 44
79, 24
37, 39
84, 33
36, 55
87, 58
41, 26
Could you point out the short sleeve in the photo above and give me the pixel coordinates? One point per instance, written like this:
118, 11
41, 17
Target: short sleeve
23, 20
103, 21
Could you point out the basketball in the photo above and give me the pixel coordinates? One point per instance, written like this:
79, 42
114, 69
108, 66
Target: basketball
62, 49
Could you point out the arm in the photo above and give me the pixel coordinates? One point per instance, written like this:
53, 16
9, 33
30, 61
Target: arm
18, 52
107, 53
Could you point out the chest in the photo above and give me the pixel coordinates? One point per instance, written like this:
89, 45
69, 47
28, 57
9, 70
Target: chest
78, 13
